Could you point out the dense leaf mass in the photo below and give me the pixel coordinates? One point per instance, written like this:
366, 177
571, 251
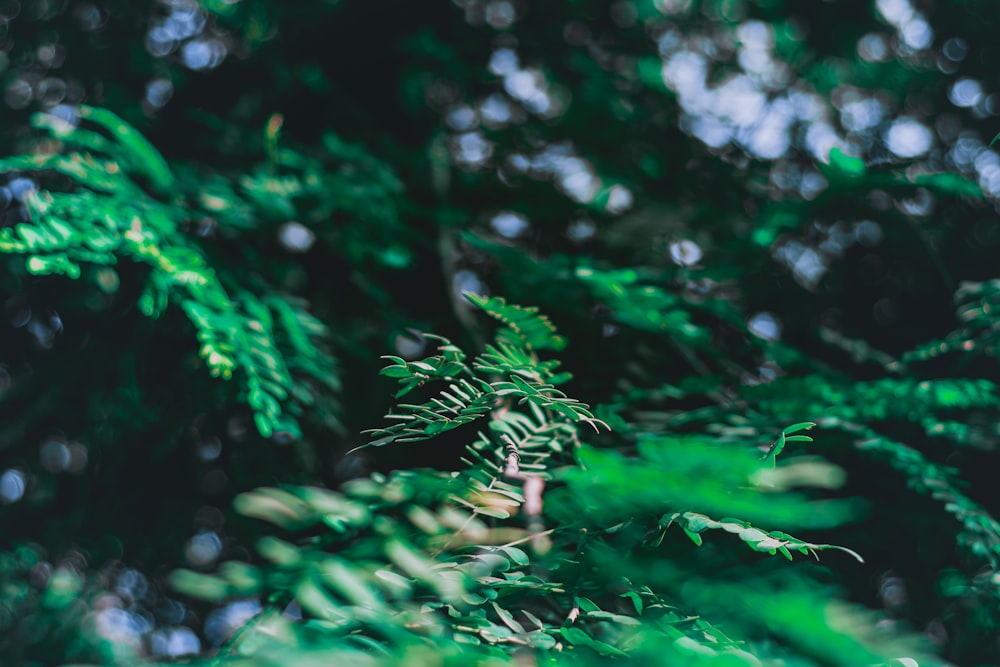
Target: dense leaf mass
496, 332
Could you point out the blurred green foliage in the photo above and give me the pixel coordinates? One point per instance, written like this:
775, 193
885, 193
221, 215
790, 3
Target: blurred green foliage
715, 226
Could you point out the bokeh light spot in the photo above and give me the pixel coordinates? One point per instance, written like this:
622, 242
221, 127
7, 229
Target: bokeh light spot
765, 325
908, 138
509, 225
685, 253
12, 486
296, 237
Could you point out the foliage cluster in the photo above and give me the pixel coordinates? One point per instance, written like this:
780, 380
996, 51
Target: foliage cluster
775, 328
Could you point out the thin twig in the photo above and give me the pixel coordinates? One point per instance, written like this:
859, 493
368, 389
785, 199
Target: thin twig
533, 485
529, 538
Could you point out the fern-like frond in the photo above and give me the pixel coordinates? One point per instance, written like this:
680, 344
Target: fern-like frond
980, 534
929, 403
773, 542
464, 558
474, 392
643, 306
111, 217
692, 473
454, 406
977, 305
448, 365
522, 326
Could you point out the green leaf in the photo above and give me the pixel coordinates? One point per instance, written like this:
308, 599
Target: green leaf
846, 166
801, 426
695, 537
508, 619
949, 184
495, 512
396, 372
141, 155
516, 555
340, 576
278, 551
578, 637
636, 601
201, 586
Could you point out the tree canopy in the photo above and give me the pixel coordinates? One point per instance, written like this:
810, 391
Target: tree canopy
497, 332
